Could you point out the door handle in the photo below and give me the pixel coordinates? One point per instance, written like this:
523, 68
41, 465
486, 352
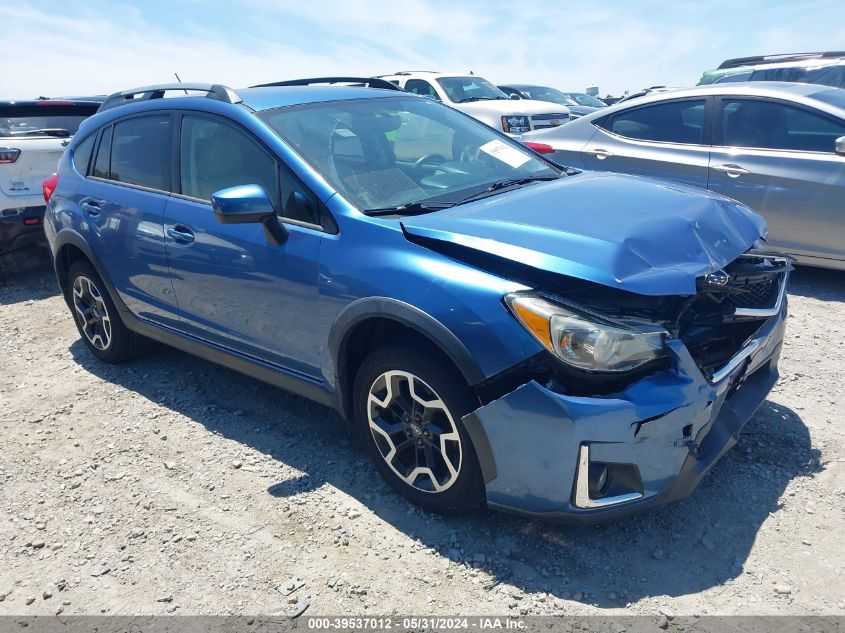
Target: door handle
91, 207
181, 234
733, 171
601, 154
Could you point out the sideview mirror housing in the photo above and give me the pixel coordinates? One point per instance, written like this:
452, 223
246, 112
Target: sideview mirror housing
839, 148
248, 204
244, 204
514, 96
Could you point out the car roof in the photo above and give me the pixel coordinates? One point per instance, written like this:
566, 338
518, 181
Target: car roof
281, 96
50, 102
521, 86
434, 74
776, 89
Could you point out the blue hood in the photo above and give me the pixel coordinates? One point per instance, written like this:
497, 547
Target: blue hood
646, 236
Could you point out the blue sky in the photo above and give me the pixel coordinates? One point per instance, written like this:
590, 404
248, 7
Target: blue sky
99, 46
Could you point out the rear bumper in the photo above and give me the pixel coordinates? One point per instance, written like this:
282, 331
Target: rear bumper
669, 429
21, 227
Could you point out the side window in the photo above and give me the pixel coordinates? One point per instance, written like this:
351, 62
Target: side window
216, 155
770, 125
82, 154
420, 87
140, 153
101, 165
670, 122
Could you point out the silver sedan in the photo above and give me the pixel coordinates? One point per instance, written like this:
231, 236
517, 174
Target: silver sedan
777, 147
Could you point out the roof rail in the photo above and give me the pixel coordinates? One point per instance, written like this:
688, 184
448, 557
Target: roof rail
218, 92
781, 57
367, 82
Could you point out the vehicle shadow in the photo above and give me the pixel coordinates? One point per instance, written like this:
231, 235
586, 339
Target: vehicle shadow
26, 275
684, 548
818, 283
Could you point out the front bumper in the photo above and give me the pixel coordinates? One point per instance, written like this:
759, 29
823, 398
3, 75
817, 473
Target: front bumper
670, 429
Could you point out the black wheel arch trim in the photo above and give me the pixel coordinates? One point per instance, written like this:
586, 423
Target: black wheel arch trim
69, 237
405, 314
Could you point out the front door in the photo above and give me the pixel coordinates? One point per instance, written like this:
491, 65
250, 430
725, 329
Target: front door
779, 159
233, 287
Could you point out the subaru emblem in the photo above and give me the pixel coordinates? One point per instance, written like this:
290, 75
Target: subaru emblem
717, 278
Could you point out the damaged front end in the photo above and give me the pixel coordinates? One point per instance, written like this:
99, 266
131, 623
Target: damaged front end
568, 443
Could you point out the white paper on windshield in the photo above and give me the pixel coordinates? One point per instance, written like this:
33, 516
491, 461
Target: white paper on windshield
505, 153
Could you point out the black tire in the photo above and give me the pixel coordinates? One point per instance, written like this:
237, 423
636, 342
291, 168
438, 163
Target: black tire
465, 490
117, 344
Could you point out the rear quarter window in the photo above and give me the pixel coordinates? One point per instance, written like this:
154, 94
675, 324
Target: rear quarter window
82, 154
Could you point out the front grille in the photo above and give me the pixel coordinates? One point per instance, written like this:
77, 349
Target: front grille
542, 121
762, 294
720, 319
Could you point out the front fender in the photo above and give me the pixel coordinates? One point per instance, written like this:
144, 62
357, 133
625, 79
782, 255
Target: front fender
409, 316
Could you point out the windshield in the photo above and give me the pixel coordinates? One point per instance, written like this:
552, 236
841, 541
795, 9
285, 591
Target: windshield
397, 151
43, 120
586, 100
466, 89
832, 97
541, 93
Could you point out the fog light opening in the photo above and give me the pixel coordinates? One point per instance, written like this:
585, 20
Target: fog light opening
600, 484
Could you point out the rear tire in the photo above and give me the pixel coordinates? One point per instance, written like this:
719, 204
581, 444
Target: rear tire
408, 404
97, 318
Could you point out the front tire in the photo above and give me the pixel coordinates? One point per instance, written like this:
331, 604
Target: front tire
97, 318
408, 405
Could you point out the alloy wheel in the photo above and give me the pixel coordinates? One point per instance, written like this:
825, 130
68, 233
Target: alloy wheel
414, 431
92, 312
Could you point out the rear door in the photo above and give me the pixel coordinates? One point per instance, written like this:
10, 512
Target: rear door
122, 206
778, 158
670, 139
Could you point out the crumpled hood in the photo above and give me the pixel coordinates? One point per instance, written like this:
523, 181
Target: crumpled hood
650, 237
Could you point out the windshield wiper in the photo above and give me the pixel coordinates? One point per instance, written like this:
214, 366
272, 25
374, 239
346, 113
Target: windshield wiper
411, 208
419, 208
504, 184
47, 131
468, 99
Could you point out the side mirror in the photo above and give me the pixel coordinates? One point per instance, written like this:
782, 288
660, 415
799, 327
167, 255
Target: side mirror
839, 148
514, 96
248, 204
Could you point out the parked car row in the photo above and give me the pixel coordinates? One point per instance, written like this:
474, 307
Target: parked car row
499, 329
777, 147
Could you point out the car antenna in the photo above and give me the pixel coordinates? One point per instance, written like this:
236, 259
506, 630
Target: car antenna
180, 81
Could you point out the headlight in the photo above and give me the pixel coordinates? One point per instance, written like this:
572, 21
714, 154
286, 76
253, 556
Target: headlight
515, 124
585, 341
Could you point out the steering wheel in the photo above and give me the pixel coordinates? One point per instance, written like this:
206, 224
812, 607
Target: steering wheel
428, 159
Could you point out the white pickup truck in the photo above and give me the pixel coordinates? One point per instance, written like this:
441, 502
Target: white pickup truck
33, 135
482, 100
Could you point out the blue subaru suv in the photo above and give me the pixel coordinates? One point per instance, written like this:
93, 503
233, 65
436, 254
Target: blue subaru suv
500, 330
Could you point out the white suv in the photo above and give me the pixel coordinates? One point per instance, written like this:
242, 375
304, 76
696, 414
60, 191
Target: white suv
482, 100
33, 135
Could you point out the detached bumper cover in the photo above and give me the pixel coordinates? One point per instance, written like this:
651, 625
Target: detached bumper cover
673, 427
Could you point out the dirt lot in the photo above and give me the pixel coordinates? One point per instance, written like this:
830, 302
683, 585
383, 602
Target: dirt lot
172, 485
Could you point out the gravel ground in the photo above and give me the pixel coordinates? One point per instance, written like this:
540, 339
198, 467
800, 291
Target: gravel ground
171, 485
